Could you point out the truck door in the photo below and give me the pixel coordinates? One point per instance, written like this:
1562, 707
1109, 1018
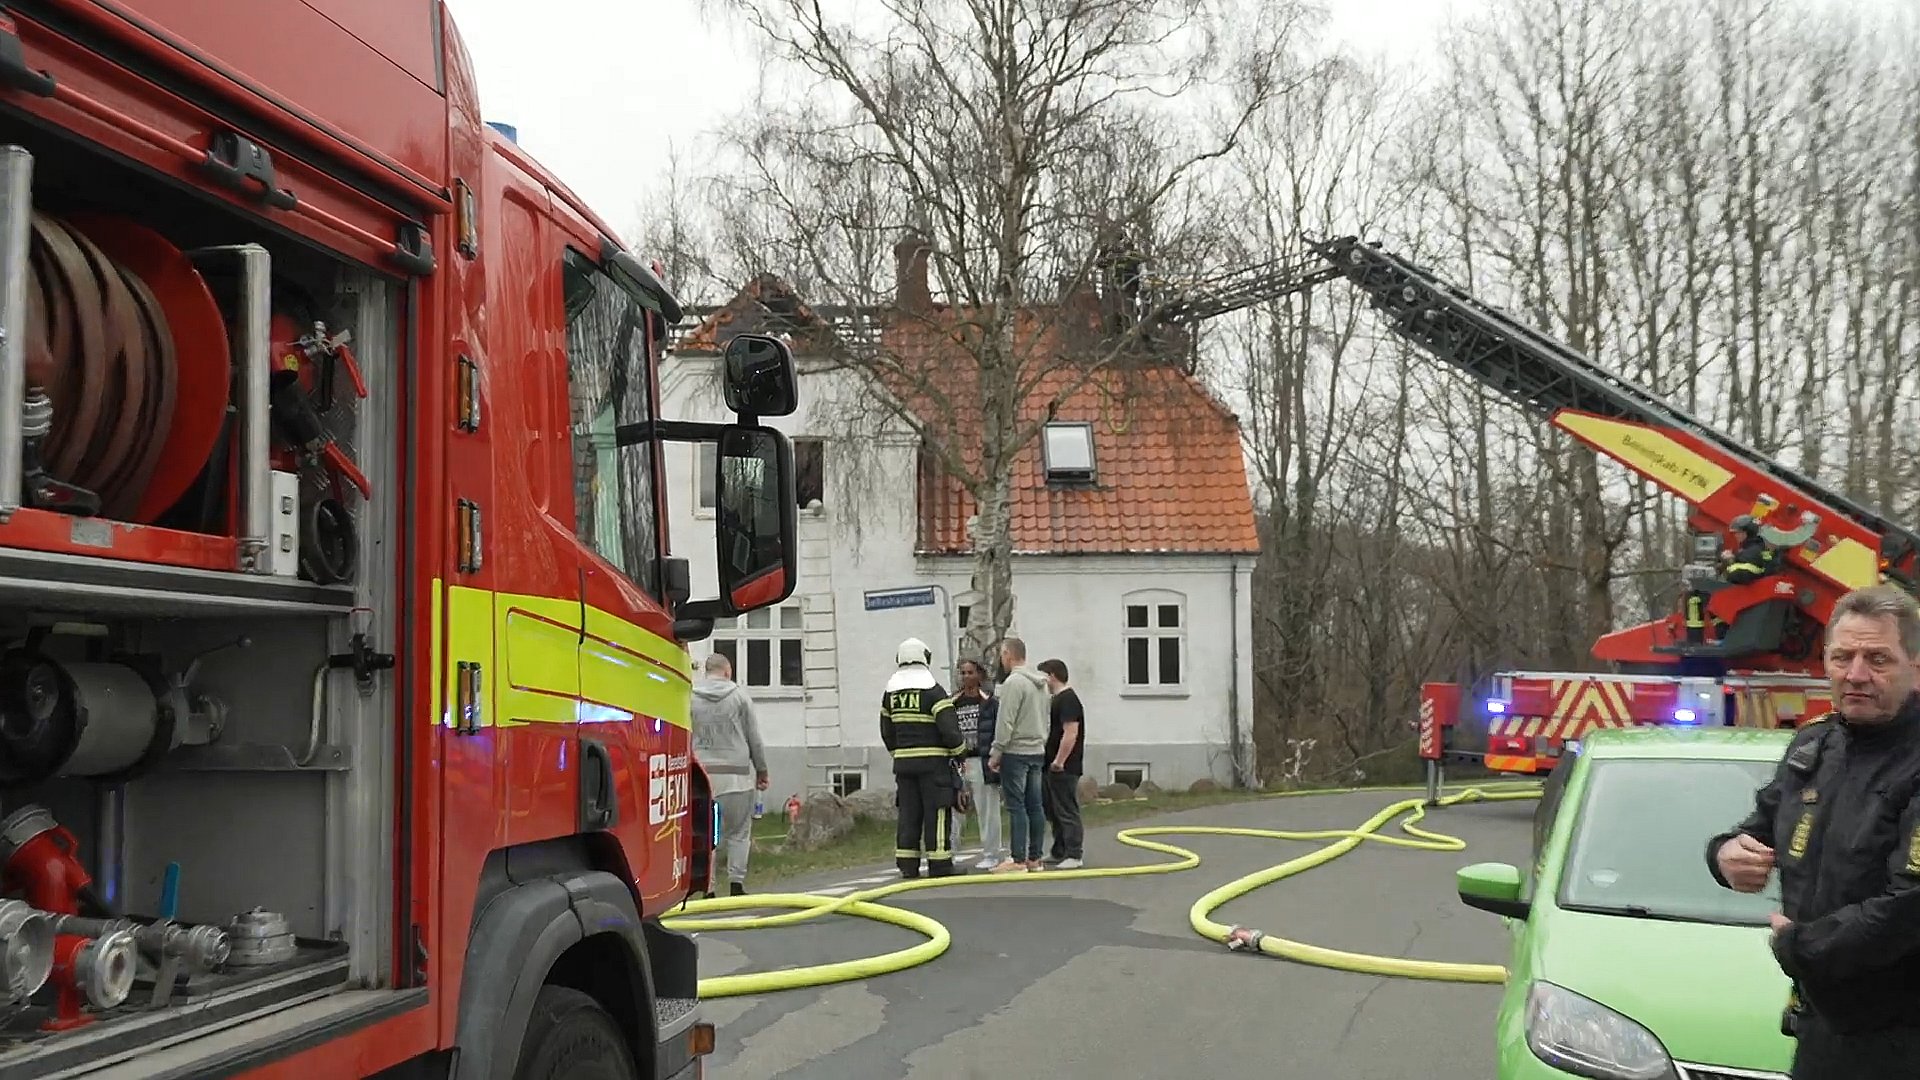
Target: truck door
529, 524
635, 685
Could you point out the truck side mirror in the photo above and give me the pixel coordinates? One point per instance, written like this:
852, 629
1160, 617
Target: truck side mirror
758, 377
755, 518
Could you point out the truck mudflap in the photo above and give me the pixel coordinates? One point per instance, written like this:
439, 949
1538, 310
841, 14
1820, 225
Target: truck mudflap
515, 943
681, 1037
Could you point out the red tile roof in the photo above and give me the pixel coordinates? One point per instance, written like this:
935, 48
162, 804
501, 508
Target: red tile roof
1169, 472
767, 305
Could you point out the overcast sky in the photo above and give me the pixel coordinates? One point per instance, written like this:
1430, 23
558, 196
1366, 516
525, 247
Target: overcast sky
599, 89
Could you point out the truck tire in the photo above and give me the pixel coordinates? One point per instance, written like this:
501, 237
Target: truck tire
570, 1037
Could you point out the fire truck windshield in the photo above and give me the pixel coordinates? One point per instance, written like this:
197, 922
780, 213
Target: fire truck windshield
1637, 842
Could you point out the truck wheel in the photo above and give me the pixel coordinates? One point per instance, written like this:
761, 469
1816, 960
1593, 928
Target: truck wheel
570, 1037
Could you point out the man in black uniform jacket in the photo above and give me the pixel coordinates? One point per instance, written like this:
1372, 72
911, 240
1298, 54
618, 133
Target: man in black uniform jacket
922, 732
1841, 821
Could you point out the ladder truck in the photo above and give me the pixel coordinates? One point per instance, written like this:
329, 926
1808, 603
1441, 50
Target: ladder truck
344, 690
1762, 666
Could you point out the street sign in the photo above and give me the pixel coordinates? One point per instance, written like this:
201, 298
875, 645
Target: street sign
888, 599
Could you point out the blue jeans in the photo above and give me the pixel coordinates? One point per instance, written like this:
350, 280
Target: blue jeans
1021, 787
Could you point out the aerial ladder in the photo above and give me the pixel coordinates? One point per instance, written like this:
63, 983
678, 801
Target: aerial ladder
1824, 542
1827, 543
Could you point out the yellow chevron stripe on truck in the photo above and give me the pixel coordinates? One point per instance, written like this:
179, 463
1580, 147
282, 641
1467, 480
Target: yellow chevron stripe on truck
536, 669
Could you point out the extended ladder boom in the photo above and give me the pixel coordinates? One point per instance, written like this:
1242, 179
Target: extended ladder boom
1512, 358
1535, 369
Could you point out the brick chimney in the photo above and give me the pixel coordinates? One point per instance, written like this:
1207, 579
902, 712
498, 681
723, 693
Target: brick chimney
912, 290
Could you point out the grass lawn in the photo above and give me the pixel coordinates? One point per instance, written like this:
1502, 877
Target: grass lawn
871, 842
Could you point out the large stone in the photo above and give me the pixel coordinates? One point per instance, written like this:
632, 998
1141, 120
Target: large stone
824, 818
1117, 792
1089, 789
874, 804
1203, 785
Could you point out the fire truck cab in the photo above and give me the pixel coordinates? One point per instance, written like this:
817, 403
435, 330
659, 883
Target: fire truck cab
344, 691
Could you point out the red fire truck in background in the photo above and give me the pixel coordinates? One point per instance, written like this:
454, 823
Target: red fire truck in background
344, 697
1755, 657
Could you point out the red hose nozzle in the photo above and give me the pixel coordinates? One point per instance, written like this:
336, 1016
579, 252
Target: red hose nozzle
37, 859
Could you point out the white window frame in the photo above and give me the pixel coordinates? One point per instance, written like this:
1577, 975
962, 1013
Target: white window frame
780, 627
834, 776
1116, 768
1153, 633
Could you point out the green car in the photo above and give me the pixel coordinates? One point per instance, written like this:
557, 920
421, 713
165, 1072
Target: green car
1629, 961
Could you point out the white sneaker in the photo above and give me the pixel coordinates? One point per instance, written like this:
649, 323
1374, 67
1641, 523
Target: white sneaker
1069, 864
988, 863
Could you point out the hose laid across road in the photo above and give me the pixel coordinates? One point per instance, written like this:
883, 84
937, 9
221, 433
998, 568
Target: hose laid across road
812, 906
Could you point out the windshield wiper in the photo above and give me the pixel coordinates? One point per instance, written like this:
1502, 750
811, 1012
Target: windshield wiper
1634, 911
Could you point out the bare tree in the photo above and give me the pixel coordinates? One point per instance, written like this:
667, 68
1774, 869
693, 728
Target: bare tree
1010, 143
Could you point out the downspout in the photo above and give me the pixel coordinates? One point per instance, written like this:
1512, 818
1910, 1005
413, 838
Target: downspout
1233, 684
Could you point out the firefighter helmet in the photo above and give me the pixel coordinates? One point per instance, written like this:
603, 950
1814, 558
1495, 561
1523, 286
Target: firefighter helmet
1746, 524
912, 651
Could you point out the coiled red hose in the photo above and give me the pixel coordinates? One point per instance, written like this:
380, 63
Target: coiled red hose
100, 347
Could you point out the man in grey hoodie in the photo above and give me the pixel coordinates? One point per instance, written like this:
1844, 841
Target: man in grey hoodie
726, 740
1018, 755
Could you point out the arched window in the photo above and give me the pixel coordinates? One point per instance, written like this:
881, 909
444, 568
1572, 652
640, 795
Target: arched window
1156, 639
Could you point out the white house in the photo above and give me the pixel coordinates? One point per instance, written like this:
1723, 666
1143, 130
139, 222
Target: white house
1134, 546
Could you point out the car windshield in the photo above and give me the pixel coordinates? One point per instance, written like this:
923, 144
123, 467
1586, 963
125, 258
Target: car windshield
1639, 845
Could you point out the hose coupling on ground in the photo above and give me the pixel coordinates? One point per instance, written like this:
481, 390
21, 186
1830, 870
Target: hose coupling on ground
1242, 938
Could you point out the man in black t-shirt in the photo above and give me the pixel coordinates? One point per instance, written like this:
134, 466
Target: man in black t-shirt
1066, 750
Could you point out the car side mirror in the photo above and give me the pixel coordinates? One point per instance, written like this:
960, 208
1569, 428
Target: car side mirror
1492, 887
758, 377
754, 518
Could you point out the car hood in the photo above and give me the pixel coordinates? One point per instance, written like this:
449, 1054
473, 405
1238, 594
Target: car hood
1711, 994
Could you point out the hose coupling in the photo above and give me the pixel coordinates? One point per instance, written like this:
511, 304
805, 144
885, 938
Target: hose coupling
1244, 939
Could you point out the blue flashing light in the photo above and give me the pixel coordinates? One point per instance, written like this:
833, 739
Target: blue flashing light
1496, 706
713, 837
1685, 716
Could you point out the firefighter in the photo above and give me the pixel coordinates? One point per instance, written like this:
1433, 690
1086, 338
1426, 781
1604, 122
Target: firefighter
1755, 558
921, 730
1697, 606
1840, 820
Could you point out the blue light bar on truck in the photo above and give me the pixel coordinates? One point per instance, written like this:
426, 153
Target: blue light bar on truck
1685, 716
1496, 707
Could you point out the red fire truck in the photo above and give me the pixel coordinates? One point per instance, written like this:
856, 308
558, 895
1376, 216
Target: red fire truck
344, 697
1753, 657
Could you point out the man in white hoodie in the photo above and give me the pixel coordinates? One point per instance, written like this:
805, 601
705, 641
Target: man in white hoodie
726, 740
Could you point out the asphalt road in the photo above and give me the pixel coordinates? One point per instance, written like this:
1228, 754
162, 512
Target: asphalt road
1105, 978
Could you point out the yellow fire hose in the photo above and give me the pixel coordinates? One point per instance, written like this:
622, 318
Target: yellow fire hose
811, 906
